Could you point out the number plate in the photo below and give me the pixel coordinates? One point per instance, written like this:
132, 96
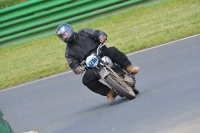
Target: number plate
92, 61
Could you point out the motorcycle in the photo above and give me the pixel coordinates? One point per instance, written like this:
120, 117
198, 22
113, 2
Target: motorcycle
122, 82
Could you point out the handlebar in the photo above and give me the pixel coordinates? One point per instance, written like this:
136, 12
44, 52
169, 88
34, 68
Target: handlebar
98, 53
99, 47
82, 63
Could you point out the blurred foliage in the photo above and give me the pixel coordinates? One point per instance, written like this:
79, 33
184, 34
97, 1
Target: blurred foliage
7, 3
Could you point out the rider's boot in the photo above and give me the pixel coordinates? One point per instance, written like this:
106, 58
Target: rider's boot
132, 69
111, 96
135, 91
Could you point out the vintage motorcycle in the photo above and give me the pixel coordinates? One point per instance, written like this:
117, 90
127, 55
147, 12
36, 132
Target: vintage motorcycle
117, 78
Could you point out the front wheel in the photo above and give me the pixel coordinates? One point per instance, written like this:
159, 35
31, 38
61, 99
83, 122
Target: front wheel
121, 87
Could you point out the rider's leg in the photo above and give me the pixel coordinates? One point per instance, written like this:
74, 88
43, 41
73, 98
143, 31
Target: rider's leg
122, 60
93, 83
119, 58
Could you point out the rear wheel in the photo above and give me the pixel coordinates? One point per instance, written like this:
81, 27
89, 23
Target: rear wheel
120, 86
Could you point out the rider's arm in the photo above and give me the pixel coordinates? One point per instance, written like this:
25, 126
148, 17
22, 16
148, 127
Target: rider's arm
73, 63
96, 34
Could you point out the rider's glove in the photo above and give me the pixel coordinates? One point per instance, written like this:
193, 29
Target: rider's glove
79, 70
102, 38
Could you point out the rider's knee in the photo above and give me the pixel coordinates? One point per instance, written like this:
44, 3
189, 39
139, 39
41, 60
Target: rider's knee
85, 81
112, 49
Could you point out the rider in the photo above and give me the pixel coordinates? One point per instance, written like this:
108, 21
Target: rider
81, 44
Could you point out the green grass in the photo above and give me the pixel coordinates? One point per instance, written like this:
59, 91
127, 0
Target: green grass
7, 3
133, 30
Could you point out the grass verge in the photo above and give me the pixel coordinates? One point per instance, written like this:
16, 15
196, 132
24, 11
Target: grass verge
7, 3
132, 30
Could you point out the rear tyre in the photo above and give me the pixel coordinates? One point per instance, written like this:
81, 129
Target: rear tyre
121, 87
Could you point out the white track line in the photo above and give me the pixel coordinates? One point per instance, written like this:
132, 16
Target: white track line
163, 44
71, 71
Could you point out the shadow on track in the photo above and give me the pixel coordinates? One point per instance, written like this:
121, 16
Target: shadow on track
105, 105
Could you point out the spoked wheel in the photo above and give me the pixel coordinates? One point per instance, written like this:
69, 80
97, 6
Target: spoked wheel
121, 87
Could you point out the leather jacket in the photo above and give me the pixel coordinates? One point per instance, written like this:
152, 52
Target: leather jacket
85, 42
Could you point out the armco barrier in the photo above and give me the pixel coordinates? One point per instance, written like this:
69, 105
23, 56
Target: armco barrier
38, 18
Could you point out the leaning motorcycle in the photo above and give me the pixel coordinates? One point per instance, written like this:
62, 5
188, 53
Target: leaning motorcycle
122, 82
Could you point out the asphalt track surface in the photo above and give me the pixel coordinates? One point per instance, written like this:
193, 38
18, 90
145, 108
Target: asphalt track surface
169, 84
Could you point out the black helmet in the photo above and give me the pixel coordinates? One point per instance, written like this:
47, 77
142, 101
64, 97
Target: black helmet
63, 29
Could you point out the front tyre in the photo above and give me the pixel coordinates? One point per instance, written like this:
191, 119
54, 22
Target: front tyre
121, 87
